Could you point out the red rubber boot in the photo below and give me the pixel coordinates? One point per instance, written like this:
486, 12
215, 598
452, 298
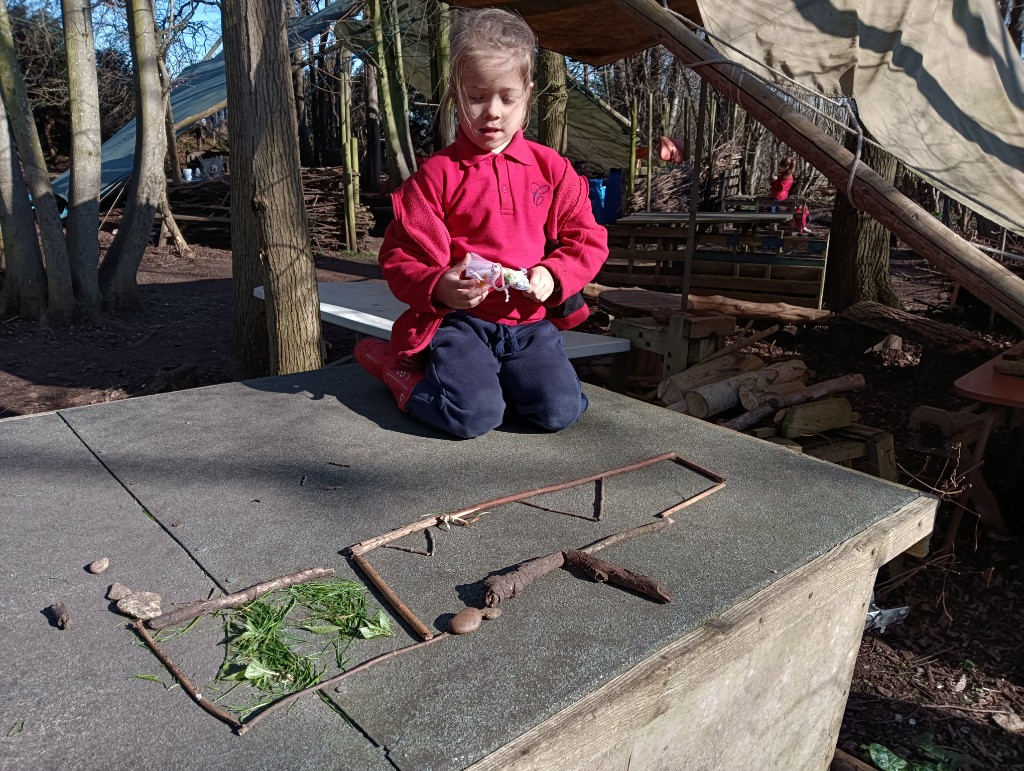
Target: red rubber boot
401, 379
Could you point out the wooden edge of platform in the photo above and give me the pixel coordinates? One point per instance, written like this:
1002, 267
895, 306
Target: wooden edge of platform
601, 723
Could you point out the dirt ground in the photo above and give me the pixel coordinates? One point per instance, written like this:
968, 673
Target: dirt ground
951, 676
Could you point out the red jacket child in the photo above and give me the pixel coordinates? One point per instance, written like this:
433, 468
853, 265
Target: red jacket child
519, 207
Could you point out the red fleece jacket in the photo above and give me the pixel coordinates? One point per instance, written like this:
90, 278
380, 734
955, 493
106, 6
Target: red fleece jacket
522, 207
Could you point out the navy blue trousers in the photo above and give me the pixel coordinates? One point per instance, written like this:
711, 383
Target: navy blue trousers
477, 370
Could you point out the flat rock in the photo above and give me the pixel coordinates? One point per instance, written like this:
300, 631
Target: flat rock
117, 591
140, 605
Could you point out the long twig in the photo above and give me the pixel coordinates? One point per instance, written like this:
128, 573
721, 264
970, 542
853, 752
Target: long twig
219, 713
189, 612
372, 543
244, 728
393, 599
615, 538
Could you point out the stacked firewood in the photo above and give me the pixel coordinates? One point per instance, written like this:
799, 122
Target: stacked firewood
204, 209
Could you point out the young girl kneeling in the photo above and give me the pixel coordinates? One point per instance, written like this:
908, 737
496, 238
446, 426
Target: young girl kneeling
470, 347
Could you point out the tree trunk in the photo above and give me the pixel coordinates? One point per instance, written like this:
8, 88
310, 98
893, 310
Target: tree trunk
268, 199
299, 91
374, 150
858, 260
440, 37
61, 303
24, 289
180, 244
349, 152
552, 126
121, 264
173, 161
84, 188
396, 118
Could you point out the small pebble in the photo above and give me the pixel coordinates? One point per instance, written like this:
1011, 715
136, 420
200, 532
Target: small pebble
117, 591
99, 565
140, 605
466, 621
491, 613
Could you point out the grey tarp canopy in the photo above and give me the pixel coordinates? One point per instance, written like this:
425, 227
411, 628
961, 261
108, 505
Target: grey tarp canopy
938, 83
596, 134
199, 91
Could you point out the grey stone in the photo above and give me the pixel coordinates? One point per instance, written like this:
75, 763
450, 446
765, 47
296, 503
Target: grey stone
98, 566
117, 591
140, 605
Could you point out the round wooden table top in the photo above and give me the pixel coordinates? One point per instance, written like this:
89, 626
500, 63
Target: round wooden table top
986, 385
639, 302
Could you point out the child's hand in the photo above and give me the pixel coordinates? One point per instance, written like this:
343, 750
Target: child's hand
542, 284
457, 292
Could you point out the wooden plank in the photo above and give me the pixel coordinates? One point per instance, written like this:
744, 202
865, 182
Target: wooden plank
815, 417
789, 650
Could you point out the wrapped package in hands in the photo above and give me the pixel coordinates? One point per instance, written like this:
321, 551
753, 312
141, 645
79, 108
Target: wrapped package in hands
495, 275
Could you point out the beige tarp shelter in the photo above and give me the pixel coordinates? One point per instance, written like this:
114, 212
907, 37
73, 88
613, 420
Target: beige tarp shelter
937, 82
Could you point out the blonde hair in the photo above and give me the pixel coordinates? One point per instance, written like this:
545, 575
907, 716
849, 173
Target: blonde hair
487, 33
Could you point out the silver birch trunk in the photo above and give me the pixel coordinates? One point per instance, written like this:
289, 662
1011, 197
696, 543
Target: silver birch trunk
266, 197
84, 188
61, 302
24, 290
121, 264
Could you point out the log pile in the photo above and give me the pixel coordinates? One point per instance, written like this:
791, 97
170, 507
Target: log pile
204, 210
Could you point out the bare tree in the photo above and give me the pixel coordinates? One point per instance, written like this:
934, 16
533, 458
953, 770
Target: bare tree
552, 123
84, 187
61, 300
118, 272
24, 287
266, 197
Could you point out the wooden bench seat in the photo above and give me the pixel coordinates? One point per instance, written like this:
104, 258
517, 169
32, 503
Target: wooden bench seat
368, 307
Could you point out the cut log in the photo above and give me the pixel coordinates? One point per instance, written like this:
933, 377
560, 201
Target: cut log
663, 305
752, 396
674, 389
815, 417
816, 391
747, 309
931, 334
714, 398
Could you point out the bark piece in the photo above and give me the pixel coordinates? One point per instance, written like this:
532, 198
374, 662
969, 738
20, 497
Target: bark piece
603, 571
98, 566
512, 584
140, 605
59, 615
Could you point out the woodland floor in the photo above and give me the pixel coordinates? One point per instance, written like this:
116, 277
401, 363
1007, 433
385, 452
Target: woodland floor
953, 670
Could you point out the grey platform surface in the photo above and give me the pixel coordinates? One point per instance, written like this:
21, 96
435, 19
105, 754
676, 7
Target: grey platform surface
248, 481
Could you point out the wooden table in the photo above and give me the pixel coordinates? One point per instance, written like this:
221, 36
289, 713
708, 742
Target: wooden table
1003, 396
738, 218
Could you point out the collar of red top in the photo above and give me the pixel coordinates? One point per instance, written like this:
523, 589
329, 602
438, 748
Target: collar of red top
469, 154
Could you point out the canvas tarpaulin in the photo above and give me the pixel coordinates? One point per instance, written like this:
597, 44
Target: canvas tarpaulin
938, 83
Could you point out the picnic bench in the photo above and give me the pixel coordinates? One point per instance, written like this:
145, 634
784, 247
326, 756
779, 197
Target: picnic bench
369, 308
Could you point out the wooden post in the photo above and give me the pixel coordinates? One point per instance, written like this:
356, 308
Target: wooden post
634, 130
650, 147
988, 280
691, 232
348, 154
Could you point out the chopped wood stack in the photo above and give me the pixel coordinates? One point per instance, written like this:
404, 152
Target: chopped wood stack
204, 208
